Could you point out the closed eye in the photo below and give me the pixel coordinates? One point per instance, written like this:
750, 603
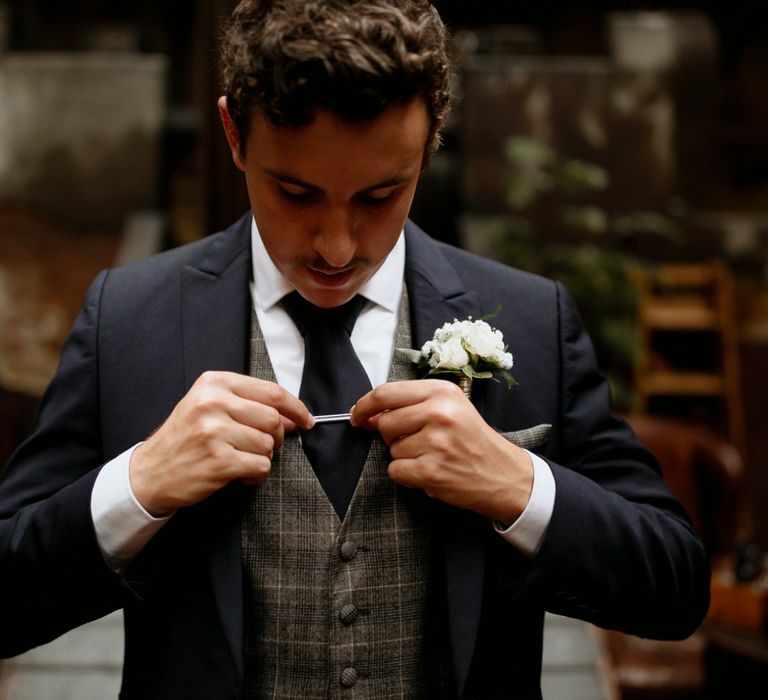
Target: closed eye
295, 193
378, 196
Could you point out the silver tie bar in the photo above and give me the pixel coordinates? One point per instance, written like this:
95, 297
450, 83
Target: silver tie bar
333, 418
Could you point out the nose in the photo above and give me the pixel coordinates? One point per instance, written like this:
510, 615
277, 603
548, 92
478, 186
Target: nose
335, 239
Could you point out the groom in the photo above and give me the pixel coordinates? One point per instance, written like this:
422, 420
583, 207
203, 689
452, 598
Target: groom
172, 470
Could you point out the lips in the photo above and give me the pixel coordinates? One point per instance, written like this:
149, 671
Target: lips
331, 279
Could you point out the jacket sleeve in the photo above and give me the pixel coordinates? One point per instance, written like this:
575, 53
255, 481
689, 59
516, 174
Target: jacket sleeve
52, 575
619, 550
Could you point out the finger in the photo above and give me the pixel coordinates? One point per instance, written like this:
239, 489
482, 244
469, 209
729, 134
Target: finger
269, 394
255, 469
444, 410
218, 438
250, 441
259, 416
371, 423
394, 424
289, 426
404, 472
388, 397
244, 464
264, 417
286, 404
408, 446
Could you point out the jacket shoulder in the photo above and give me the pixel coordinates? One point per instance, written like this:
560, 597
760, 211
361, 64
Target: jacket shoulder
488, 278
211, 255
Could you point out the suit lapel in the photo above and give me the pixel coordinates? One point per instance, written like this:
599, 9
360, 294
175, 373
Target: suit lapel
436, 292
216, 304
438, 296
216, 312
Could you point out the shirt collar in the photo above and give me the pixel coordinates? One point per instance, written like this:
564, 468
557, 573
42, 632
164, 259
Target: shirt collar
269, 286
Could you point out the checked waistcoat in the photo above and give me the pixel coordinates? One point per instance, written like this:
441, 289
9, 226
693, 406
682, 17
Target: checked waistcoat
341, 609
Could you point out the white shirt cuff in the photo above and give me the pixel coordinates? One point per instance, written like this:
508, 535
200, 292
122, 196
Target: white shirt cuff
528, 531
122, 526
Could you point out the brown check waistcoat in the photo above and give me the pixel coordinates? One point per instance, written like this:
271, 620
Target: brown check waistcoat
336, 609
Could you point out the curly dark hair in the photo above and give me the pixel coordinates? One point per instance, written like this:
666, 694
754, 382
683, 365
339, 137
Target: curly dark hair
354, 57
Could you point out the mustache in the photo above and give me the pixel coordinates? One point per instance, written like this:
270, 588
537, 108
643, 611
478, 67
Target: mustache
319, 264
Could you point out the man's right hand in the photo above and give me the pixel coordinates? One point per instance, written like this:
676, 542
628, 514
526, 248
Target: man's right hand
226, 427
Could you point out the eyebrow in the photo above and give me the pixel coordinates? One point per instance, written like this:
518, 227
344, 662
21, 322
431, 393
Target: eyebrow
291, 180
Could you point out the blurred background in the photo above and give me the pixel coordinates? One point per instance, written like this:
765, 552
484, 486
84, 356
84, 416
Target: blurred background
621, 147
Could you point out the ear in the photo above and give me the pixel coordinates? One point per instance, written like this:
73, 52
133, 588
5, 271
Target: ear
232, 133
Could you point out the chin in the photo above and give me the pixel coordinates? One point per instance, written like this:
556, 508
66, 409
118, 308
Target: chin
328, 298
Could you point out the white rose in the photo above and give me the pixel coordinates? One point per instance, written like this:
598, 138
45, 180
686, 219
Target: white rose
447, 331
482, 340
450, 355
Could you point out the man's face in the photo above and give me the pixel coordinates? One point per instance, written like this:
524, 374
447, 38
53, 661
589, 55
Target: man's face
330, 198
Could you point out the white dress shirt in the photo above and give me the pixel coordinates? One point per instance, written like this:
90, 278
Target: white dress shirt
123, 527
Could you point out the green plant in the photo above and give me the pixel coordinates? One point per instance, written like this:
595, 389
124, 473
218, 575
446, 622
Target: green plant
558, 226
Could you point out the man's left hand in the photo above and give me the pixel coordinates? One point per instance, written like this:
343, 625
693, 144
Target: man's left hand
441, 444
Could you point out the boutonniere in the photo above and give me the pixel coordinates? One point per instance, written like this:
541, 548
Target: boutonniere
468, 349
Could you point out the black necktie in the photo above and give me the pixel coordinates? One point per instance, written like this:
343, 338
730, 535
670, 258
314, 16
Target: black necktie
333, 380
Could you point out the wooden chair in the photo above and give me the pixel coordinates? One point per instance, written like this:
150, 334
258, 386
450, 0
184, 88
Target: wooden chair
689, 364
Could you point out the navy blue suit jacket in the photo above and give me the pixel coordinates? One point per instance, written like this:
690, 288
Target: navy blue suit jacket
619, 551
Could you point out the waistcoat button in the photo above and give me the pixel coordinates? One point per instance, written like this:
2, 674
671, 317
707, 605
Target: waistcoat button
348, 550
348, 677
348, 614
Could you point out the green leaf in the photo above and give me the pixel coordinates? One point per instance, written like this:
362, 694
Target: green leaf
442, 370
578, 176
508, 378
414, 356
474, 373
592, 220
493, 313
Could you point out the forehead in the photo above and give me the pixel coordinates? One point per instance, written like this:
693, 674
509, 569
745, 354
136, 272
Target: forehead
331, 148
